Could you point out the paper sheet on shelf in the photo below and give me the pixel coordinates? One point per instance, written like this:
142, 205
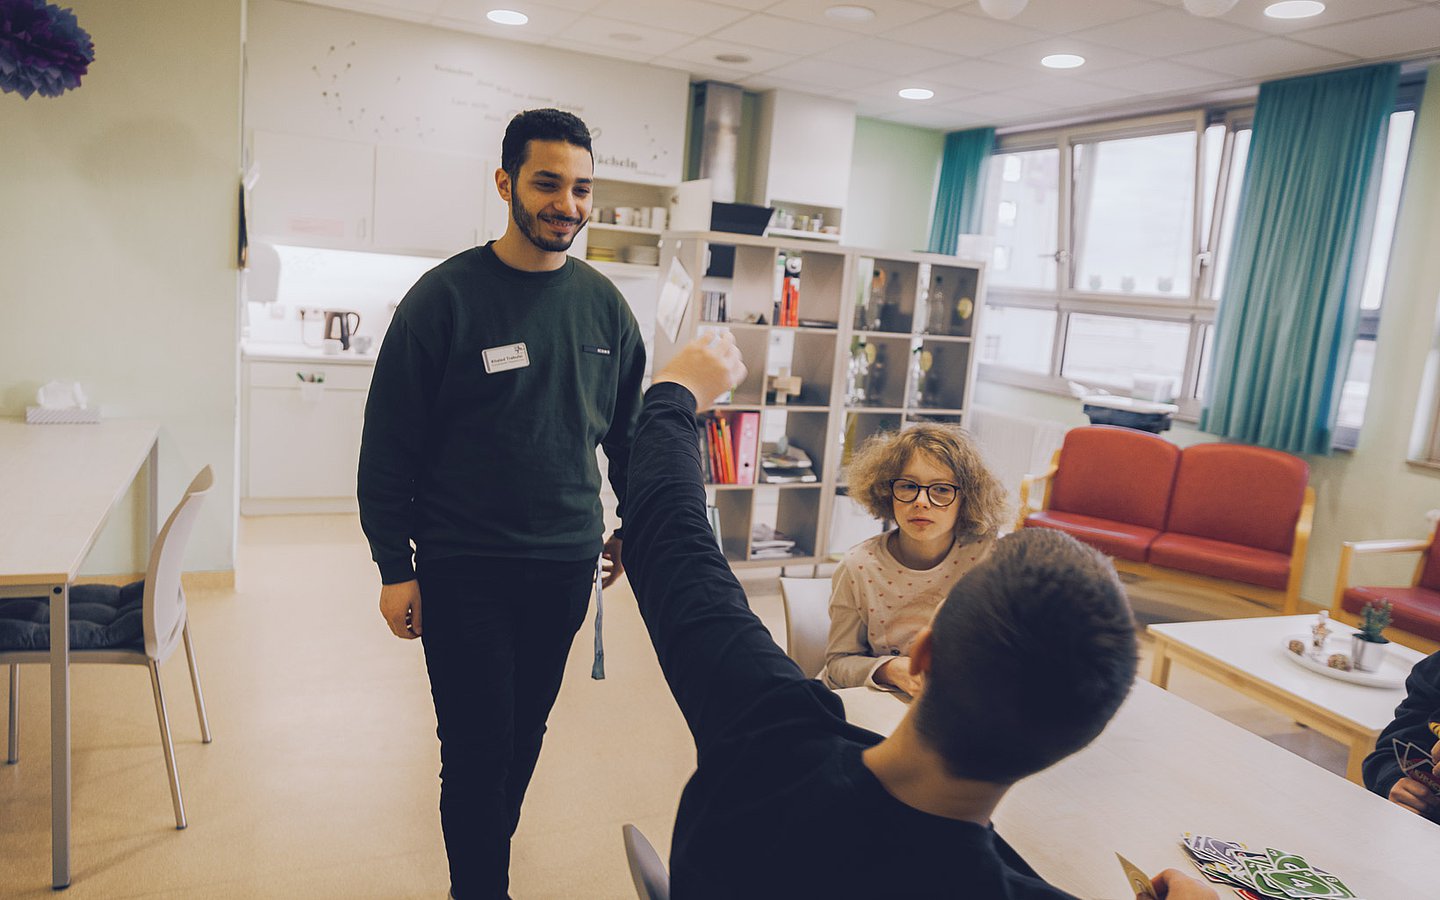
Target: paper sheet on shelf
674, 298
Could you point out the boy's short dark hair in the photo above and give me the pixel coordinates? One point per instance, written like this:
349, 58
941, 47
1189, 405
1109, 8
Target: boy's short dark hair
1032, 654
540, 125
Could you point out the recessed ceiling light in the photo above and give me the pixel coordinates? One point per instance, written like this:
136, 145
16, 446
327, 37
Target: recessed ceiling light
916, 93
1062, 61
507, 17
1294, 9
625, 37
733, 59
849, 13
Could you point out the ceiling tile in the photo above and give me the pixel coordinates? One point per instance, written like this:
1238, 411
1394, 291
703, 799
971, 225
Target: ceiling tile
765, 81
1381, 37
704, 51
983, 76
418, 11
752, 5
1097, 56
963, 35
1001, 107
1166, 33
1159, 76
469, 15
784, 35
1070, 92
1265, 58
886, 55
888, 13
686, 16
935, 119
1062, 16
827, 75
639, 41
1252, 15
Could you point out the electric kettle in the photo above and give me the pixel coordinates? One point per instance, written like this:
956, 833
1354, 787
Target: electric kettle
340, 326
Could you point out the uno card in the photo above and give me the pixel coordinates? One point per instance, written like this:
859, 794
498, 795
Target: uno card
1280, 874
1139, 882
1416, 763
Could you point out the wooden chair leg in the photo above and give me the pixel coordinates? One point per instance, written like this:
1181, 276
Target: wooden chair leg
167, 746
12, 754
195, 683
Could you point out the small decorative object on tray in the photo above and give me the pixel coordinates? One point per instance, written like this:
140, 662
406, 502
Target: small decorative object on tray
1338, 661
1320, 630
1368, 645
1296, 646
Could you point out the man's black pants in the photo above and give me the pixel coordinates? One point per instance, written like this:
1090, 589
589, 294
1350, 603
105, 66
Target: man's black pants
496, 635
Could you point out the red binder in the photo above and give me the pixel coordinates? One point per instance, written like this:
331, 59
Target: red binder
747, 446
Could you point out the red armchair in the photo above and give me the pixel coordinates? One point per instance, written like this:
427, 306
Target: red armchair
1415, 609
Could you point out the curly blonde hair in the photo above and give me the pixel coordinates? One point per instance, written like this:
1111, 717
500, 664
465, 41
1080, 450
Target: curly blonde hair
980, 498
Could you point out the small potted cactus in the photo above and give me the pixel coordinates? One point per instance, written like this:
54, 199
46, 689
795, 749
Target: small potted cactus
1367, 647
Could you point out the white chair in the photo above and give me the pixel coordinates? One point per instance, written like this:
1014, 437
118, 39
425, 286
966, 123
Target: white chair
138, 624
807, 621
652, 882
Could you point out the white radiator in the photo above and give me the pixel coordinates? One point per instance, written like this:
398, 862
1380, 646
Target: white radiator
1014, 446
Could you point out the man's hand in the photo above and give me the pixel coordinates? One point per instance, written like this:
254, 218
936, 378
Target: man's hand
707, 367
895, 672
400, 605
1172, 884
611, 568
1415, 797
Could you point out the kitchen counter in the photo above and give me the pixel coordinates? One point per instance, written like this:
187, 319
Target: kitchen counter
259, 351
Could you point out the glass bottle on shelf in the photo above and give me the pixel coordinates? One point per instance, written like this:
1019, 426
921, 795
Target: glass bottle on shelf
875, 304
920, 362
935, 322
857, 373
877, 374
890, 308
922, 313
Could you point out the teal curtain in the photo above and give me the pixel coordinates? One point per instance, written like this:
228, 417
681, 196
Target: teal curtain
1288, 314
959, 200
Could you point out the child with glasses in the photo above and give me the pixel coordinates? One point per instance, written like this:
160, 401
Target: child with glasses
947, 507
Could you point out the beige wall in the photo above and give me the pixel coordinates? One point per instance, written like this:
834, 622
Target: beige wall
893, 175
1371, 492
117, 247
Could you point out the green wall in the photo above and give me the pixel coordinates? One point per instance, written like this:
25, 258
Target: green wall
893, 175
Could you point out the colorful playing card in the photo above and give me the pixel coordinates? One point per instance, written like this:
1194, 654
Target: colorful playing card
1139, 881
1416, 763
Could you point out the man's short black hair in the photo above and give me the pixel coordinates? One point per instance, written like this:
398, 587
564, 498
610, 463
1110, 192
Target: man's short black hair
540, 125
1033, 651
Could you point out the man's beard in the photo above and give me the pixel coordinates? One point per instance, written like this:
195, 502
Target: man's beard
529, 225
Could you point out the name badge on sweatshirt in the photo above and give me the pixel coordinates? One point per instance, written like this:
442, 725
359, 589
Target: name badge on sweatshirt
503, 359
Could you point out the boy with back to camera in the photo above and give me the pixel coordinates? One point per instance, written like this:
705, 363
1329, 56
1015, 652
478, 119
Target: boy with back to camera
788, 797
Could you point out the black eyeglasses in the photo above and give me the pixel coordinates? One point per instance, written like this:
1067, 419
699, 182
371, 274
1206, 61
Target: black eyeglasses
940, 493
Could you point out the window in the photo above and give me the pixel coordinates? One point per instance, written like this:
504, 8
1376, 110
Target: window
1111, 246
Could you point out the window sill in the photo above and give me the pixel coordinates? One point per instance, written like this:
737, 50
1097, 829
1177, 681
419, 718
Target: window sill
1189, 413
1425, 466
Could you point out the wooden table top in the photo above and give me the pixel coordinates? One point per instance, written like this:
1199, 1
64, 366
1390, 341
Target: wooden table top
58, 484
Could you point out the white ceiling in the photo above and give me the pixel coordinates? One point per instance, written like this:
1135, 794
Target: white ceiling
1140, 53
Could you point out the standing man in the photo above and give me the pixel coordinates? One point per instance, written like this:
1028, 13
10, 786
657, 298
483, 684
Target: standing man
503, 370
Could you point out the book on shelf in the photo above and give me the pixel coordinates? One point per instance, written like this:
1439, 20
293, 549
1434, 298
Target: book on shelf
713, 513
783, 463
712, 306
768, 543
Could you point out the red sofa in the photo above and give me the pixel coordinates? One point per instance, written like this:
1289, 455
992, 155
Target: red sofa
1415, 608
1230, 516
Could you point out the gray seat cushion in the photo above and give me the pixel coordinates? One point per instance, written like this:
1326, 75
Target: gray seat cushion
102, 617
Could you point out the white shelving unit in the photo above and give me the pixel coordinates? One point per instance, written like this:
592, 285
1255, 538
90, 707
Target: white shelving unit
839, 286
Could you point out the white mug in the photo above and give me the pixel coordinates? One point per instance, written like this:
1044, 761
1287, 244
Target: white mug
360, 343
330, 347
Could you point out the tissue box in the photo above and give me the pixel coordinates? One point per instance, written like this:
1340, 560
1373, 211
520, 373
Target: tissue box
80, 415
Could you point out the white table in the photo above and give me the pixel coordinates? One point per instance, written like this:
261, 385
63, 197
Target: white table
1249, 655
58, 484
1165, 766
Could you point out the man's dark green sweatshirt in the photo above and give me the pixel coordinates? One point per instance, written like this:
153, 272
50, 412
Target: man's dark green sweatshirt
492, 390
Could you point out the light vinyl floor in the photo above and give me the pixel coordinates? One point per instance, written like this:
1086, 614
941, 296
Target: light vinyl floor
322, 778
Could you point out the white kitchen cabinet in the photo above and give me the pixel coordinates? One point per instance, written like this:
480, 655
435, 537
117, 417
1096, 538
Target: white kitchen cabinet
804, 147
302, 438
428, 201
321, 192
312, 192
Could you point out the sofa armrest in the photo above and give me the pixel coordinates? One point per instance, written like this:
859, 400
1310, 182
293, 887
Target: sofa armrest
1350, 549
1303, 524
1027, 485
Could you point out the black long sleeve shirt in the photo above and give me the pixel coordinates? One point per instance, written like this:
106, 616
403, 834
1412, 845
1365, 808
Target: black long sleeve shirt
781, 790
1412, 717
467, 452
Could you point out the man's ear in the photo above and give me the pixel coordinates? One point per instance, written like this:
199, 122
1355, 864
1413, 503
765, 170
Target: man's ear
921, 651
502, 184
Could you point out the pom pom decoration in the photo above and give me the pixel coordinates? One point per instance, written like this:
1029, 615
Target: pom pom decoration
42, 48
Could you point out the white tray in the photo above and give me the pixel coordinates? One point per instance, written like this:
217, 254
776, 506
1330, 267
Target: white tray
1391, 675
